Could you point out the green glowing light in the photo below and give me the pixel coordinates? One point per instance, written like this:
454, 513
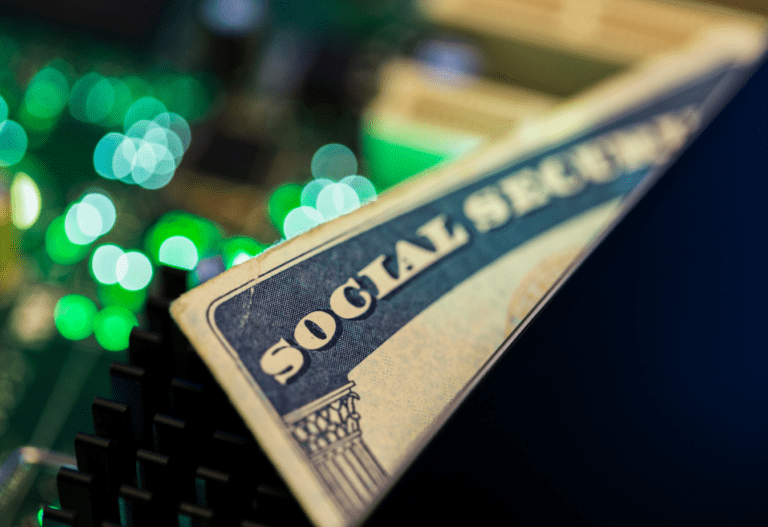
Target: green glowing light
301, 220
176, 92
116, 295
391, 162
99, 102
134, 271
36, 125
144, 162
178, 125
138, 87
3, 110
40, 513
104, 207
311, 190
112, 327
150, 153
178, 251
124, 160
143, 127
283, 200
202, 89
82, 223
104, 263
13, 143
160, 177
204, 234
123, 101
89, 220
160, 165
64, 67
333, 161
46, 94
104, 153
25, 201
145, 108
78, 97
337, 199
58, 246
362, 186
73, 317
239, 249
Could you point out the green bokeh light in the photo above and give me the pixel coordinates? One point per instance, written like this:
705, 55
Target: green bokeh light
58, 246
105, 208
38, 125
122, 101
78, 97
46, 94
334, 161
137, 86
134, 270
3, 110
391, 162
117, 295
362, 186
145, 108
82, 223
123, 160
40, 513
104, 153
104, 263
203, 233
311, 190
238, 249
283, 200
64, 67
337, 199
149, 158
179, 126
178, 251
301, 220
13, 143
99, 102
74, 317
112, 327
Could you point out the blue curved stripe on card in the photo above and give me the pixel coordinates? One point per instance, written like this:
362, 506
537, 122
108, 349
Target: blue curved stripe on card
260, 315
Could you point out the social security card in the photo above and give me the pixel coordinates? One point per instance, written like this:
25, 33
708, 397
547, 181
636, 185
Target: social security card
347, 346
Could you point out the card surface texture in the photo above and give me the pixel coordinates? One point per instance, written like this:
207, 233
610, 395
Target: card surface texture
345, 348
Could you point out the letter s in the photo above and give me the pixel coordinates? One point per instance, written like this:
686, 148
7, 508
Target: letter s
282, 361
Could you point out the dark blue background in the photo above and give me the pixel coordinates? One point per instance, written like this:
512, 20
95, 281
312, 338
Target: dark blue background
645, 399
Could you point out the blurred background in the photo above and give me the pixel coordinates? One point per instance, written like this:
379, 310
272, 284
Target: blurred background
196, 134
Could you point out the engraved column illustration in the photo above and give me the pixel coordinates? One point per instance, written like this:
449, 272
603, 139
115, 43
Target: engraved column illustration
328, 430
